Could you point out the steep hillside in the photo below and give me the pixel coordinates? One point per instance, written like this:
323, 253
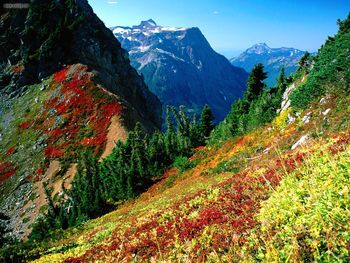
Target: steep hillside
279, 193
272, 58
66, 86
216, 211
181, 68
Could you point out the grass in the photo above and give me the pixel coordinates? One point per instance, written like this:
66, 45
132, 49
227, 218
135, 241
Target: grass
307, 217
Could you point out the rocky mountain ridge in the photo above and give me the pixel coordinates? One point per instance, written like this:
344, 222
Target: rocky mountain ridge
180, 67
272, 58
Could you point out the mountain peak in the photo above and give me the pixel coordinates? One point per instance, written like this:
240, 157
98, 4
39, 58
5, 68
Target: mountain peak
259, 48
261, 45
271, 58
148, 23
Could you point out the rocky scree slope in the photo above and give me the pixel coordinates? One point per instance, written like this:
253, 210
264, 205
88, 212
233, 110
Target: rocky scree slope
66, 86
180, 67
272, 58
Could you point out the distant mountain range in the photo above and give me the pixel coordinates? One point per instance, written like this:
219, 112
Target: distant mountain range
272, 58
180, 67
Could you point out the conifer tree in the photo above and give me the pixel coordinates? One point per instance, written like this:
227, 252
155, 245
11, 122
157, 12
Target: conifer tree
206, 122
184, 125
281, 80
305, 62
255, 82
196, 136
170, 138
277, 92
239, 108
86, 194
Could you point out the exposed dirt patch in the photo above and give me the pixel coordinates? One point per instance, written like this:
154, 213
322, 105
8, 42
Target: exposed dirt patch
32, 208
66, 180
116, 132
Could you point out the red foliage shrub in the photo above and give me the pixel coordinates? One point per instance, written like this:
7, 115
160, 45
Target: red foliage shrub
340, 144
79, 102
232, 212
61, 75
56, 133
7, 170
199, 148
24, 125
51, 152
94, 141
10, 151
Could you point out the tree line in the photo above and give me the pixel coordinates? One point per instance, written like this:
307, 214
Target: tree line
258, 106
128, 171
133, 165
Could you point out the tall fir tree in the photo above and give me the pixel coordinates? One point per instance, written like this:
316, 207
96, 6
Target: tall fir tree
206, 121
255, 82
305, 62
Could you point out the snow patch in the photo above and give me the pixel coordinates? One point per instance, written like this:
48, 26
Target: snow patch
169, 54
120, 30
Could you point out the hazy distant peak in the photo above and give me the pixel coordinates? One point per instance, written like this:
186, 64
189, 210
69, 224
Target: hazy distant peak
272, 58
148, 23
259, 48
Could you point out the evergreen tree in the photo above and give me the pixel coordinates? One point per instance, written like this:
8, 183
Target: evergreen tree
157, 156
276, 93
169, 137
169, 122
86, 194
196, 136
206, 122
305, 62
236, 117
184, 124
281, 80
255, 82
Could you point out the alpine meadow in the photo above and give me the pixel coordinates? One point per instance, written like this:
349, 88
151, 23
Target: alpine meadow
123, 141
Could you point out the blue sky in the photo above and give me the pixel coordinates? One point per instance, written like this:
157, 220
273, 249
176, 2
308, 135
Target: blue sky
234, 25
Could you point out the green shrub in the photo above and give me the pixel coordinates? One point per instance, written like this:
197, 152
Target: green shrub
307, 218
25, 220
331, 71
183, 163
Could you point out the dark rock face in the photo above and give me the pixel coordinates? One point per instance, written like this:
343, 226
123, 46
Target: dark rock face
181, 68
54, 33
272, 58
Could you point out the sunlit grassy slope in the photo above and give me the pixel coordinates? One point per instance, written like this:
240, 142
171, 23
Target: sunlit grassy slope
251, 198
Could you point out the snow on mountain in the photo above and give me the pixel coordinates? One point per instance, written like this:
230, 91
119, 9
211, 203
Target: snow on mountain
272, 58
181, 68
